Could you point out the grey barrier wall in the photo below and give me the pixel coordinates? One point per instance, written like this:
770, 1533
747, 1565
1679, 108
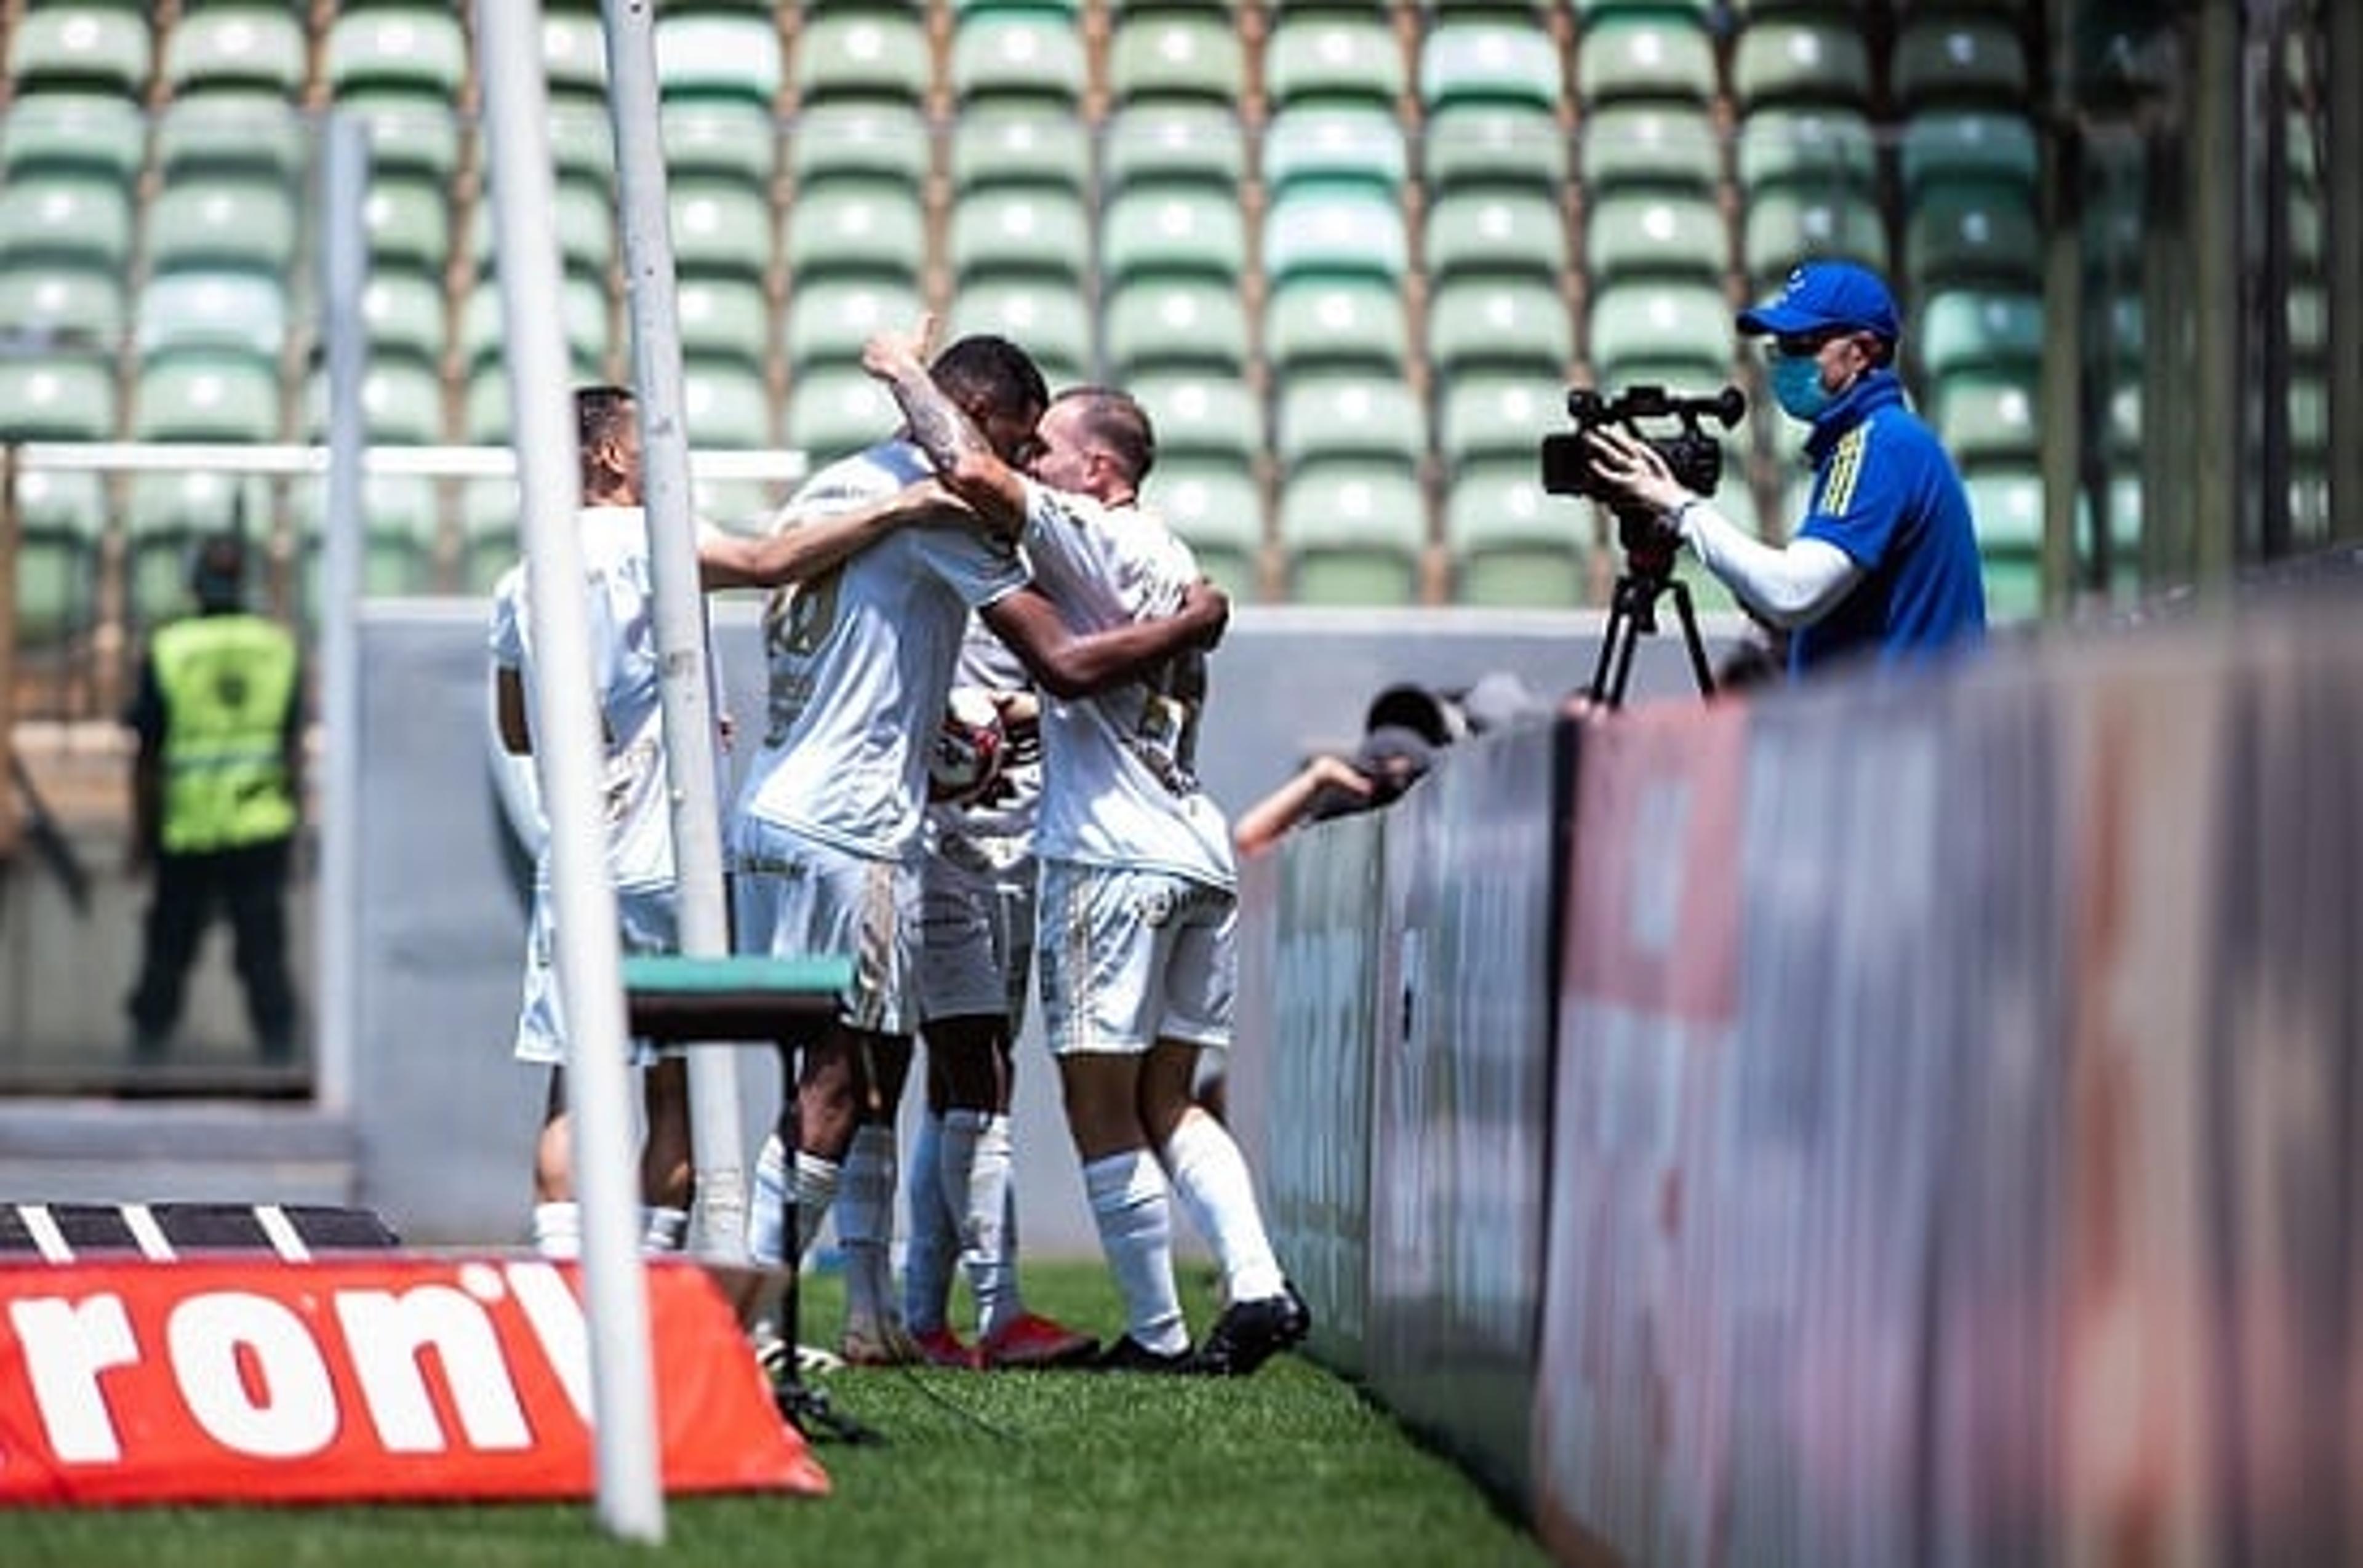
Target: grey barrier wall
1956, 1127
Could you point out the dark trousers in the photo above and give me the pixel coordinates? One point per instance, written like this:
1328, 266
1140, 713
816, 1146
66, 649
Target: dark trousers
249, 885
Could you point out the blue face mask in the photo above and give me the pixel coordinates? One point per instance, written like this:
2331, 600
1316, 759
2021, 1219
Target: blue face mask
1797, 387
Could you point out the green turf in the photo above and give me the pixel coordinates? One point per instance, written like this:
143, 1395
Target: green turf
1005, 1469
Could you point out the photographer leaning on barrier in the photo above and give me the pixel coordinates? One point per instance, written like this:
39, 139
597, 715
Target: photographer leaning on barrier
1885, 561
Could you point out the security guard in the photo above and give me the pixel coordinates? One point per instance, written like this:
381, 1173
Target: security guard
214, 791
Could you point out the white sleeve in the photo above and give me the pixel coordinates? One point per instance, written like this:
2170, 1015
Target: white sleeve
1789, 586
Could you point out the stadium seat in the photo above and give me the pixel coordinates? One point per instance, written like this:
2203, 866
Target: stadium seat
1332, 56
1957, 56
1496, 233
489, 542
1333, 143
866, 51
1512, 546
720, 228
406, 314
584, 221
1818, 146
830, 318
207, 395
1213, 505
71, 219
1315, 322
2006, 508
1048, 318
1165, 55
1664, 324
1986, 417
724, 317
879, 139
1335, 231
1651, 53
106, 47
719, 56
257, 135
400, 521
720, 138
400, 69
242, 311
1019, 147
1023, 231
874, 227
1470, 144
724, 402
1980, 146
1162, 143
1784, 225
1484, 323
63, 517
1634, 233
1161, 229
582, 312
834, 412
574, 57
1971, 234
1490, 61
409, 223
249, 46
1649, 144
1968, 329
1025, 56
1175, 323
1213, 416
58, 394
96, 134
223, 222
1352, 534
1498, 417
1345, 416
47, 301
1804, 59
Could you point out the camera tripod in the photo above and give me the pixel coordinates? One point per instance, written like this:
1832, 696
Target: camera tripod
1632, 610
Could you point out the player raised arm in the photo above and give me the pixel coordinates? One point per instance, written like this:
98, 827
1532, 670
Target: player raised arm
960, 455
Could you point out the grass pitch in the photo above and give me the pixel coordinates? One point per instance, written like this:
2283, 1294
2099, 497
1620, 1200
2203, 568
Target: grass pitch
1000, 1470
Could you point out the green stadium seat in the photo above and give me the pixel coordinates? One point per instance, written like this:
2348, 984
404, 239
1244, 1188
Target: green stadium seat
719, 138
1164, 143
1175, 323
62, 517
830, 318
1819, 146
1213, 505
1804, 58
1958, 55
1330, 143
1986, 417
1498, 417
1490, 61
1971, 234
588, 244
1019, 147
1332, 415
720, 226
1971, 329
862, 51
1489, 325
1983, 146
581, 145
489, 542
1663, 323
241, 311
724, 317
2014, 585
253, 134
1643, 233
1314, 322
71, 130
58, 394
1511, 546
1312, 55
1470, 144
1173, 54
1020, 232
874, 227
574, 57
874, 138
724, 402
237, 46
408, 131
1784, 225
1649, 144
1166, 230
718, 57
47, 301
400, 520
1353, 534
68, 217
96, 45
407, 314
2006, 508
834, 412
1206, 416
402, 403
582, 312
1656, 53
1334, 230
229, 221
1020, 55
417, 49
1496, 233
1048, 318
409, 223
207, 395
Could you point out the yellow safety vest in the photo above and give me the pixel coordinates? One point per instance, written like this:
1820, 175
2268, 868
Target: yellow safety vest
227, 682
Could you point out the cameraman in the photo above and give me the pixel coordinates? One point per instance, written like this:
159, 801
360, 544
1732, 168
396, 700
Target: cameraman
1885, 561
1391, 759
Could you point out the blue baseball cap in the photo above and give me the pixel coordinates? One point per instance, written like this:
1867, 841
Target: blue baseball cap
1823, 294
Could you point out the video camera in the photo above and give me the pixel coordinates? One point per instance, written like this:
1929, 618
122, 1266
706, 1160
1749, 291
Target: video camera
1696, 457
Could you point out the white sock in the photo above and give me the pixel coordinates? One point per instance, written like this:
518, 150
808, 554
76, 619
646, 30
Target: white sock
865, 1224
816, 1182
1212, 1180
976, 1157
662, 1228
934, 1246
767, 1205
558, 1229
1127, 1198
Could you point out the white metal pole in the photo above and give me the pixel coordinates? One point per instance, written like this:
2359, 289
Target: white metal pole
344, 272
685, 686
623, 1402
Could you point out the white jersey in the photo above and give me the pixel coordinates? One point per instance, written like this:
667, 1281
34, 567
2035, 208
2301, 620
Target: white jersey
615, 548
1118, 787
861, 661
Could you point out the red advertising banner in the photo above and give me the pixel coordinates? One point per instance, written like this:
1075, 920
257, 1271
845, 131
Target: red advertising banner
445, 1379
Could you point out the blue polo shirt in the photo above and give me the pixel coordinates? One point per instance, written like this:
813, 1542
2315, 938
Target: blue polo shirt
1885, 492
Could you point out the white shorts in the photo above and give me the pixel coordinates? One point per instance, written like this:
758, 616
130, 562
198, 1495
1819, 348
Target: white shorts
647, 922
792, 897
1130, 958
976, 938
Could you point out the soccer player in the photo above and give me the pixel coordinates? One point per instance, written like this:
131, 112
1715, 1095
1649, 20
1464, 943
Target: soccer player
1138, 903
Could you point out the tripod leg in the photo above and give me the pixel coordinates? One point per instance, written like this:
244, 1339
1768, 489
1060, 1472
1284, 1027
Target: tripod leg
1605, 664
1700, 670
